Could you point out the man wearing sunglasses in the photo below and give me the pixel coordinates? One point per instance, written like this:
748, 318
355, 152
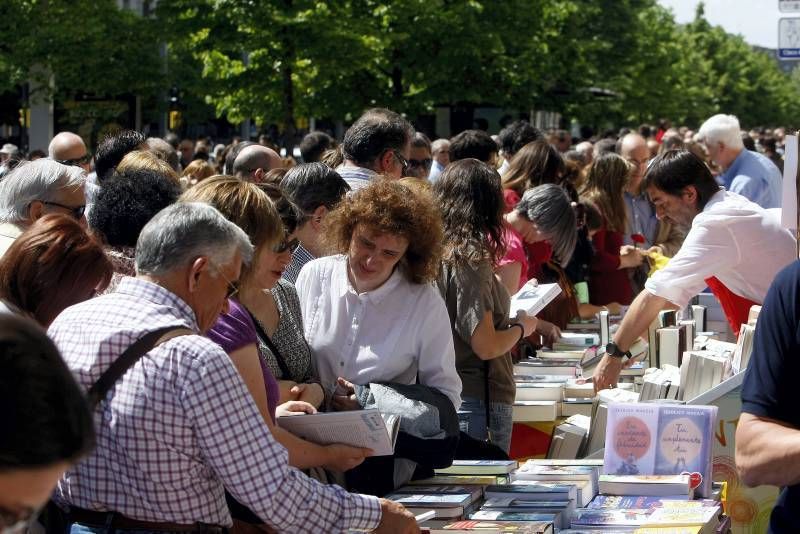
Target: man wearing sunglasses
34, 189
69, 149
379, 142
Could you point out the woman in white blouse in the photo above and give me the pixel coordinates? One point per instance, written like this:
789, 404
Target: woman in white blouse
370, 312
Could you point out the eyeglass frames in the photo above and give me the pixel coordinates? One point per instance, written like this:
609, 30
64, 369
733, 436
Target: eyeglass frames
76, 162
285, 245
76, 211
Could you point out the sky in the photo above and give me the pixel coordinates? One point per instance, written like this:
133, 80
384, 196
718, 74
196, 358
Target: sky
756, 20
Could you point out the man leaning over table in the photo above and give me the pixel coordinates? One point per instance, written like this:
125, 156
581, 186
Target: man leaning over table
734, 247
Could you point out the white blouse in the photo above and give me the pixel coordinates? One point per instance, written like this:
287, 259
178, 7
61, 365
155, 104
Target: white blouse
389, 334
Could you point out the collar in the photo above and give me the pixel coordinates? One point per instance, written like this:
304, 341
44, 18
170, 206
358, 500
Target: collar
351, 169
717, 197
159, 295
640, 196
733, 170
376, 295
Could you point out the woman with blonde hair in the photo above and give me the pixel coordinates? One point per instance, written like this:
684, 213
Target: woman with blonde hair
608, 278
144, 159
196, 172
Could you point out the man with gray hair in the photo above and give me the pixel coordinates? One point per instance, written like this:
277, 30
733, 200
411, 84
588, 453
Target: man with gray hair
747, 173
34, 189
254, 162
180, 426
440, 152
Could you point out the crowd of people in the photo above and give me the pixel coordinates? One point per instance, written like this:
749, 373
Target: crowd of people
199, 292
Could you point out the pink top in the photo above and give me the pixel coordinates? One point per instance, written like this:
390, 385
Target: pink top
515, 253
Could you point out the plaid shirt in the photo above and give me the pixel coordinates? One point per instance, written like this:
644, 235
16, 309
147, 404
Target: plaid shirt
180, 425
300, 257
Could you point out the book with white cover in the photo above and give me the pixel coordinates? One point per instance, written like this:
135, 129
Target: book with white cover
359, 428
532, 298
533, 391
531, 411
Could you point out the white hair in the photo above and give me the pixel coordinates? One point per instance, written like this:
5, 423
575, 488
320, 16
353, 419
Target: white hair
184, 231
723, 129
41, 180
440, 144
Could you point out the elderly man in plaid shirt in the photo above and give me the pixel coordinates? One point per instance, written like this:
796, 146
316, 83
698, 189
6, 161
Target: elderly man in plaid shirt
180, 426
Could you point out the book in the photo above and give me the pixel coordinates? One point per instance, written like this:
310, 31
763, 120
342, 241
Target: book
459, 480
573, 340
563, 509
600, 518
744, 348
359, 428
559, 354
671, 344
578, 388
532, 492
591, 462
646, 485
701, 371
554, 472
605, 329
539, 391
474, 491
491, 515
634, 501
532, 298
538, 366
653, 439
568, 439
699, 317
585, 490
451, 506
476, 525
530, 411
570, 407
479, 467
684, 517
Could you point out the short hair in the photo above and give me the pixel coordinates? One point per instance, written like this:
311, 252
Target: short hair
605, 182
52, 265
127, 201
420, 140
312, 185
198, 170
35, 180
604, 146
173, 139
471, 199
376, 131
440, 145
165, 151
550, 208
245, 205
290, 213
536, 163
516, 135
387, 206
722, 128
45, 418
184, 231
144, 159
748, 142
475, 144
675, 170
113, 148
768, 143
313, 145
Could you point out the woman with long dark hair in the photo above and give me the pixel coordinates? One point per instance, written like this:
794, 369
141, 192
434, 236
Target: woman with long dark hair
471, 200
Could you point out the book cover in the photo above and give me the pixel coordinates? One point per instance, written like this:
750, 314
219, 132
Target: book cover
462, 480
554, 472
431, 501
359, 428
652, 485
629, 501
595, 517
631, 430
684, 439
532, 298
479, 467
472, 525
538, 492
490, 515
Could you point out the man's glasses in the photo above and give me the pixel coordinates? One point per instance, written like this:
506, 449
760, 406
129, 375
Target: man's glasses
76, 211
233, 287
285, 245
77, 162
401, 159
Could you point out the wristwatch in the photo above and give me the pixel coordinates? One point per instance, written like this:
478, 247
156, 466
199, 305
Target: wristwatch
614, 351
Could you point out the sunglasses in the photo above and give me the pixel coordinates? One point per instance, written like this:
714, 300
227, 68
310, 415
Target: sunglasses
76, 211
403, 161
77, 162
284, 245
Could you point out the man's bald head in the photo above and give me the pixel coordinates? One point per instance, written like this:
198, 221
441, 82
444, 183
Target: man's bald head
69, 148
633, 147
254, 162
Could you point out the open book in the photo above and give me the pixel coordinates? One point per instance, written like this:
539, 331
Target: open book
359, 428
532, 298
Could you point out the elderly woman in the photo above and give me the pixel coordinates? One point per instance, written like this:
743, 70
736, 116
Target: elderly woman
469, 194
370, 313
51, 266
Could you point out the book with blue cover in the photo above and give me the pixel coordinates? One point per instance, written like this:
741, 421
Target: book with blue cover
661, 439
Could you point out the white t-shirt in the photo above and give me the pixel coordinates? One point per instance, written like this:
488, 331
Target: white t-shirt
733, 239
385, 335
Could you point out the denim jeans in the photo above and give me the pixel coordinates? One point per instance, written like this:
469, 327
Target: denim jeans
472, 420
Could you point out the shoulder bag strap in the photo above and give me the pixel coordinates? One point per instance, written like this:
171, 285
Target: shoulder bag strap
275, 352
127, 359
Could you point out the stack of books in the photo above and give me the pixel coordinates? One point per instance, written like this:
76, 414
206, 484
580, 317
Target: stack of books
664, 383
568, 441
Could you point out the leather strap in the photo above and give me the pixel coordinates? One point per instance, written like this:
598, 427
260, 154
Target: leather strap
127, 359
114, 520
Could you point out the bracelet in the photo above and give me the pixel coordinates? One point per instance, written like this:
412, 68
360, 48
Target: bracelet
521, 330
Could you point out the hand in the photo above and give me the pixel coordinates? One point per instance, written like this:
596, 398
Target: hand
528, 323
344, 457
655, 249
633, 258
606, 374
614, 308
626, 249
550, 333
395, 519
294, 408
311, 393
344, 397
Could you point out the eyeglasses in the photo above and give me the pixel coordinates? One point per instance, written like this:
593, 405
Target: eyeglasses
401, 159
16, 522
77, 162
233, 287
284, 245
76, 211
425, 163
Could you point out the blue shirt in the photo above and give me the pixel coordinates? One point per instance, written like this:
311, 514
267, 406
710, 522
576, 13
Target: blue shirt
356, 177
770, 388
641, 219
755, 177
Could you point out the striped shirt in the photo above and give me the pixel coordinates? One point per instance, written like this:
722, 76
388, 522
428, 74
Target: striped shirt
180, 426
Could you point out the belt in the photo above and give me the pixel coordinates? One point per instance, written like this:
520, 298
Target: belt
115, 520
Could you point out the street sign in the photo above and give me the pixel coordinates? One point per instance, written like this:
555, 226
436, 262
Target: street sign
789, 38
789, 6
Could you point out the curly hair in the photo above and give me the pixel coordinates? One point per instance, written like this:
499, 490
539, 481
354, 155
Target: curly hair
389, 207
469, 195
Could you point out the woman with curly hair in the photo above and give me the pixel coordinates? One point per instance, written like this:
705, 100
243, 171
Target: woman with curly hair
471, 199
369, 311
